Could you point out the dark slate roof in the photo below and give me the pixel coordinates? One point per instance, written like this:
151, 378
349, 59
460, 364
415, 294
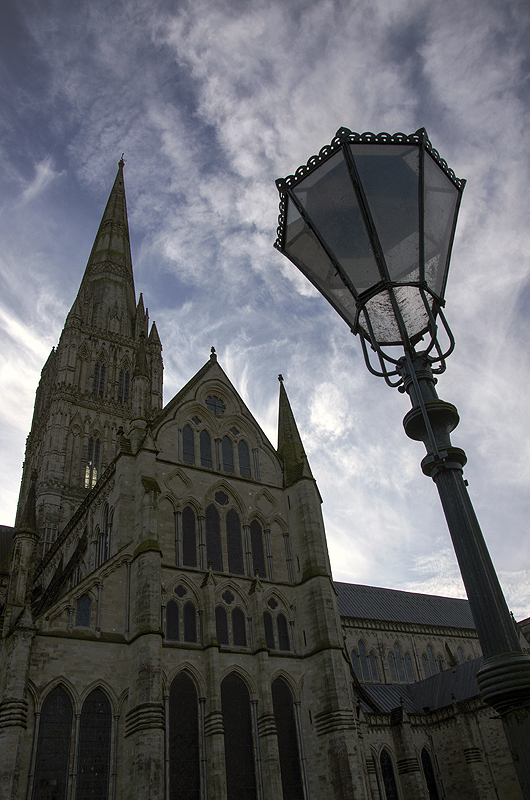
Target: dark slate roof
6, 544
392, 605
429, 694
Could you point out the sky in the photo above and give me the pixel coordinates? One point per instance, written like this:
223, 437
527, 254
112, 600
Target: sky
211, 102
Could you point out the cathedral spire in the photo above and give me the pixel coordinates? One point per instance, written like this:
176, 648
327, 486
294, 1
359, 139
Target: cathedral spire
290, 447
106, 298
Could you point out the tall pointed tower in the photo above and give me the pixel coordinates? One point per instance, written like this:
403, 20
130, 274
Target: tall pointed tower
85, 391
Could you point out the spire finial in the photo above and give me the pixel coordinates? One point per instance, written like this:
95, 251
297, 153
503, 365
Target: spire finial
213, 356
280, 377
121, 162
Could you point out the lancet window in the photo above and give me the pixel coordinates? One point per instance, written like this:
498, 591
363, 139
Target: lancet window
184, 765
98, 382
399, 663
389, 777
239, 746
181, 617
282, 701
408, 668
188, 445
123, 387
189, 538
93, 760
92, 462
258, 552
278, 639
83, 611
428, 771
228, 454
244, 458
234, 543
53, 746
238, 624
206, 449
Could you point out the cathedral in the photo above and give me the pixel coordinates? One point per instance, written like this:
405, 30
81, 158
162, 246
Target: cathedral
170, 626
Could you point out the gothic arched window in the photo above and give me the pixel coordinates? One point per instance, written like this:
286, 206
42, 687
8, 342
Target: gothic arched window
221, 625
239, 747
408, 668
432, 663
460, 654
399, 663
269, 630
107, 524
184, 772
365, 670
206, 449
234, 543
244, 459
83, 611
425, 665
53, 746
258, 553
439, 664
373, 666
189, 539
214, 550
93, 760
282, 701
123, 387
98, 383
355, 664
172, 621
92, 463
392, 668
228, 454
188, 445
239, 628
190, 622
389, 778
283, 633
428, 771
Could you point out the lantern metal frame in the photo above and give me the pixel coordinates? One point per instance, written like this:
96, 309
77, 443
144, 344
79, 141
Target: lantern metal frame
388, 365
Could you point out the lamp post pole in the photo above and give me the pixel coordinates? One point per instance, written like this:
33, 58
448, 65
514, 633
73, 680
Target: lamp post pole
504, 678
370, 221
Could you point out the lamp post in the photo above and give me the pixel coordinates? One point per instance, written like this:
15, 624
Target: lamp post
370, 221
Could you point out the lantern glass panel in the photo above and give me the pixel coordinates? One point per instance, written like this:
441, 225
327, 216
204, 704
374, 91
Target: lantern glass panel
306, 252
383, 320
328, 197
440, 204
389, 175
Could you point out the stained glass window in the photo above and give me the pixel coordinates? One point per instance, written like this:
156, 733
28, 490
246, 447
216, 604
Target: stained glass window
244, 459
389, 778
392, 668
221, 625
425, 665
408, 668
365, 670
184, 772
98, 383
94, 748
53, 747
189, 542
282, 701
83, 611
215, 404
258, 554
190, 622
214, 551
430, 779
228, 454
188, 445
373, 666
172, 621
399, 663
239, 628
269, 630
206, 449
283, 633
234, 543
239, 748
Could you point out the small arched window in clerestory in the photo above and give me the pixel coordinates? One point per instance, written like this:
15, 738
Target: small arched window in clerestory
123, 387
234, 543
189, 538
399, 663
439, 664
188, 445
244, 459
221, 625
460, 654
365, 669
392, 668
190, 622
258, 553
373, 666
98, 383
355, 664
239, 628
83, 611
228, 454
408, 668
425, 666
172, 621
389, 777
432, 663
206, 449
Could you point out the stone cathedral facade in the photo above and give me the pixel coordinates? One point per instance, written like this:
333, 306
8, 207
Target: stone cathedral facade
170, 627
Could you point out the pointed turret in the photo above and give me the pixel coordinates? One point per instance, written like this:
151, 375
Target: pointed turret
290, 447
106, 298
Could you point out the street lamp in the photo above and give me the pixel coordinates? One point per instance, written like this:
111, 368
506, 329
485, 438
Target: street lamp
370, 221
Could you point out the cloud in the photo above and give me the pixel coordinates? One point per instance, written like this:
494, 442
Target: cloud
44, 175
